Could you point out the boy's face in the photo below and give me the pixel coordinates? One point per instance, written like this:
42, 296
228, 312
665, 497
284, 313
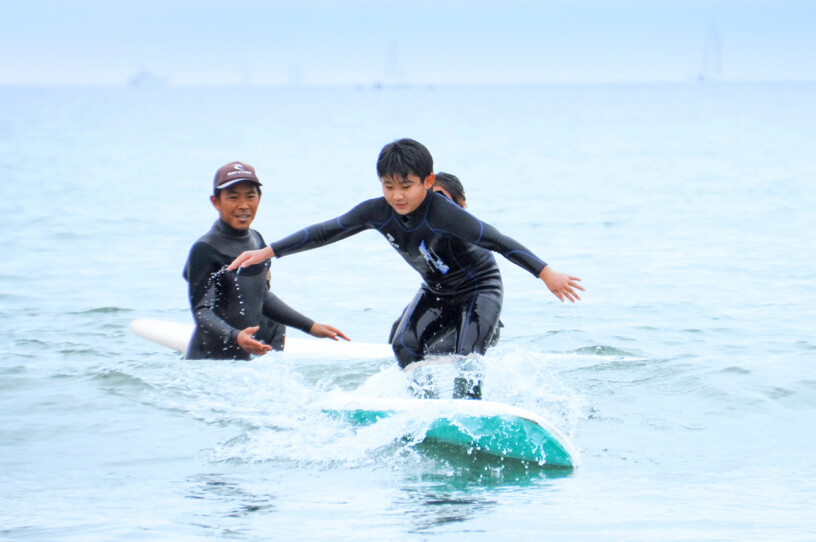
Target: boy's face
404, 195
238, 204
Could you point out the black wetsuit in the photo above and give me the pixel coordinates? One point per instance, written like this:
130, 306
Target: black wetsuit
224, 303
450, 248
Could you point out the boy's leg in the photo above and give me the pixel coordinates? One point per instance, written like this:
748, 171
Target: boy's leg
395, 325
478, 322
442, 344
423, 320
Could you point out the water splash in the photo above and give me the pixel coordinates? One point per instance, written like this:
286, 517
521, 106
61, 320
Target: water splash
271, 405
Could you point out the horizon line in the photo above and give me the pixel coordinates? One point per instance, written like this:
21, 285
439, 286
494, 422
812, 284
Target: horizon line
406, 85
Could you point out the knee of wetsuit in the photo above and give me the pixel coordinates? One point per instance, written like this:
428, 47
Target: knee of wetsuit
404, 355
393, 331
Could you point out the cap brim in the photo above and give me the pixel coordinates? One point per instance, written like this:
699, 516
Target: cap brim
236, 181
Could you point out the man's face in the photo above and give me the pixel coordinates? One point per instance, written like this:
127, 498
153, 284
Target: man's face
404, 195
238, 204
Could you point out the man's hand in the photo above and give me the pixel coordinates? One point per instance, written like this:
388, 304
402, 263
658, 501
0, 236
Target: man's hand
322, 331
248, 343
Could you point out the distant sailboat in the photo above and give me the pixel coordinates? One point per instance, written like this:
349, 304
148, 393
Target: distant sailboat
394, 73
711, 62
147, 80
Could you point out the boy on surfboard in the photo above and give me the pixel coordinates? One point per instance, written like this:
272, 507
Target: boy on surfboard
230, 308
450, 248
452, 188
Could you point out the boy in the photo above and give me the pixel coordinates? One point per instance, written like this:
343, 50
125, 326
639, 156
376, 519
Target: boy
451, 187
462, 289
228, 307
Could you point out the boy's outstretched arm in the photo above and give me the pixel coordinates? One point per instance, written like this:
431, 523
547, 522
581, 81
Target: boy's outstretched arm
251, 257
561, 284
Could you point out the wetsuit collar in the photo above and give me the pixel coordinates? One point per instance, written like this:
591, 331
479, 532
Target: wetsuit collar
413, 218
226, 229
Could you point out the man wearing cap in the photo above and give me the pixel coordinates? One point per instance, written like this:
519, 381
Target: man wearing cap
228, 307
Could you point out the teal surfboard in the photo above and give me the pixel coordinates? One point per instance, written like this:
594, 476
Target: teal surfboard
485, 427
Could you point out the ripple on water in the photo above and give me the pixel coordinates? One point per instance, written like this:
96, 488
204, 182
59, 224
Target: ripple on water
603, 350
102, 310
119, 382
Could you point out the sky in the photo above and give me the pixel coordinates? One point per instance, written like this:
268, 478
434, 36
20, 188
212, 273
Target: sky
416, 42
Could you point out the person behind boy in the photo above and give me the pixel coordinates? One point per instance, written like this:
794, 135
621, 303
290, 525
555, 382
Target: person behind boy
462, 287
228, 307
451, 187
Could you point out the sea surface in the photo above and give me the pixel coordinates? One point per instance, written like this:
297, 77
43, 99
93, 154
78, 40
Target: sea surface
686, 377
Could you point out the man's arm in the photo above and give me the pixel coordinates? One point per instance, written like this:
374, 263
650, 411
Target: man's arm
199, 272
276, 309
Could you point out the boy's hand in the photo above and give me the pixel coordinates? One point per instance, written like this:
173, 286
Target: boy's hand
248, 343
560, 284
322, 331
251, 257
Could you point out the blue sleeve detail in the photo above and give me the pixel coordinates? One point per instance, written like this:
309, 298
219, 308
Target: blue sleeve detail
305, 233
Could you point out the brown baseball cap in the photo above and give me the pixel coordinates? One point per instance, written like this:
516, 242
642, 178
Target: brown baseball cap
232, 173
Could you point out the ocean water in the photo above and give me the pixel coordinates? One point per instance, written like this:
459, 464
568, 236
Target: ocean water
686, 377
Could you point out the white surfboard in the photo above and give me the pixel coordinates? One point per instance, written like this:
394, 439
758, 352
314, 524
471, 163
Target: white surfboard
485, 427
176, 335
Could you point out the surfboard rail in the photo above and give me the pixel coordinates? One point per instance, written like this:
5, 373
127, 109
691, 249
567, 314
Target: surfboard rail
488, 427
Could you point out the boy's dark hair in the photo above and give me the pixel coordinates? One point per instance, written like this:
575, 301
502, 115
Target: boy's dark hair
404, 157
452, 184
